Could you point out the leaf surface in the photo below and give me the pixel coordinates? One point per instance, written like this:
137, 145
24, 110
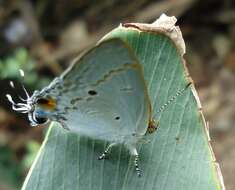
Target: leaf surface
177, 156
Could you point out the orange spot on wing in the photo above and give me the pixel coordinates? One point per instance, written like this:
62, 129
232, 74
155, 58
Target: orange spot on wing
47, 103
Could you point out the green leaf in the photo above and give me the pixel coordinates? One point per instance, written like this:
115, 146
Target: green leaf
177, 156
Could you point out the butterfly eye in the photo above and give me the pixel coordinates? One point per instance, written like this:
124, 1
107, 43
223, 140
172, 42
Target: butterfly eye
39, 120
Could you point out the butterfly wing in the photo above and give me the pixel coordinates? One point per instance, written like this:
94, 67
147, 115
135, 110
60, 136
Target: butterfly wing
103, 94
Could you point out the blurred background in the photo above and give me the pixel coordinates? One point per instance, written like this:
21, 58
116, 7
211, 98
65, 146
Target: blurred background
42, 37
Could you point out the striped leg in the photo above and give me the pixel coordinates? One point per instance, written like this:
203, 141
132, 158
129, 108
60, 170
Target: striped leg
137, 169
106, 151
134, 152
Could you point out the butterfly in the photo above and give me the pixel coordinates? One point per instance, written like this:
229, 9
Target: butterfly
102, 95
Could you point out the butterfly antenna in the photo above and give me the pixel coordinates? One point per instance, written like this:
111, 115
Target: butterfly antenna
23, 87
178, 93
25, 91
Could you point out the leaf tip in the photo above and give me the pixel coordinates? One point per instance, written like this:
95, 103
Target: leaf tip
165, 25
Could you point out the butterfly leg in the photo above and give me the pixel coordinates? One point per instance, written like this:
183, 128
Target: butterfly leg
106, 151
134, 153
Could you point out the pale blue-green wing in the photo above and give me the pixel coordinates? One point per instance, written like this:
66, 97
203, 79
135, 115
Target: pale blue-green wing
104, 93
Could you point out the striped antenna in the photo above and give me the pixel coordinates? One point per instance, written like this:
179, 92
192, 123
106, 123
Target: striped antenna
178, 93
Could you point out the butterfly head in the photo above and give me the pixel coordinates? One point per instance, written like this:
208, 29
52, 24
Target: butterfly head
37, 107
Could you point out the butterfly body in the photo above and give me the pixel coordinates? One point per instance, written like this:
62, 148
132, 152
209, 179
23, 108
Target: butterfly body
102, 95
